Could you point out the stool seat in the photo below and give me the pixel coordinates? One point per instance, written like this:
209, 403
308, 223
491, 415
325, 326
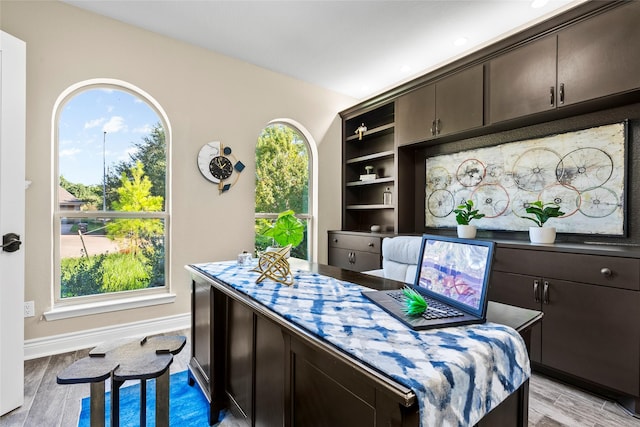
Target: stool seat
126, 360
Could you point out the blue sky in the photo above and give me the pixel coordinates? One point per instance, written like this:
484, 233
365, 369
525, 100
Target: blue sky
82, 123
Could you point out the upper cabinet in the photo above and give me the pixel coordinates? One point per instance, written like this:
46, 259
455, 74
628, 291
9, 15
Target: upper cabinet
600, 56
523, 81
450, 105
590, 59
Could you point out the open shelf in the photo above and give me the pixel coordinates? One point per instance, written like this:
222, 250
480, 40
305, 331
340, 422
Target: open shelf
374, 156
370, 182
388, 128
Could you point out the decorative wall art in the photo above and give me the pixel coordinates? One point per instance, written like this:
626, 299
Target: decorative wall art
582, 171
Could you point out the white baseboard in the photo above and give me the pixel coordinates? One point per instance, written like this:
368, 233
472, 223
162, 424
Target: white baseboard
56, 344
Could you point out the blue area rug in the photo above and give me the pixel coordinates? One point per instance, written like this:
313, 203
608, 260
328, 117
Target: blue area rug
187, 404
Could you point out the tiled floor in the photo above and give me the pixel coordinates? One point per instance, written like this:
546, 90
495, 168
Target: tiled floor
555, 404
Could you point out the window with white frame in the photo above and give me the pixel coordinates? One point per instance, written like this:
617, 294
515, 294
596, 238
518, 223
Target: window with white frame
110, 215
283, 183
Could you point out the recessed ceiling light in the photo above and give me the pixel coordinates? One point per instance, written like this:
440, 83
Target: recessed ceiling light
460, 41
536, 4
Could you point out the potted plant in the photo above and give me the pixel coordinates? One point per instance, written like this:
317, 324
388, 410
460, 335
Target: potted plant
464, 214
285, 230
542, 213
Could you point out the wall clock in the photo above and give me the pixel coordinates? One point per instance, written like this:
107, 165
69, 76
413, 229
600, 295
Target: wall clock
217, 164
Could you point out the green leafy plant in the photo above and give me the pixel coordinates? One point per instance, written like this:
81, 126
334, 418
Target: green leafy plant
415, 303
286, 229
465, 213
542, 212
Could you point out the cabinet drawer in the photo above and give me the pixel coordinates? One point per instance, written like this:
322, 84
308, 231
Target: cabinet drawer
362, 243
615, 272
354, 260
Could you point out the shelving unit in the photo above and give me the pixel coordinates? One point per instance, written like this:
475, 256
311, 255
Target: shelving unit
363, 204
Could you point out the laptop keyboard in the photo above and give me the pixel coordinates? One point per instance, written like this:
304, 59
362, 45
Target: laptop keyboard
435, 309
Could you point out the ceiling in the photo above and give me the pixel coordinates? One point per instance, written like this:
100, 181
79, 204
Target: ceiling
357, 48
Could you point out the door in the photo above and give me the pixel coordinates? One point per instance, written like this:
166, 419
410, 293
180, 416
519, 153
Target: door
12, 187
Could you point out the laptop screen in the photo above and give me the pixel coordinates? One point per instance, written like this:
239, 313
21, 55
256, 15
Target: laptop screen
456, 270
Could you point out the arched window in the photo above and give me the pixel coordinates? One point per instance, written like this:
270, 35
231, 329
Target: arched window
285, 181
111, 194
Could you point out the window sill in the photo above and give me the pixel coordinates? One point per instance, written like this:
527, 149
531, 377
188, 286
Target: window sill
107, 306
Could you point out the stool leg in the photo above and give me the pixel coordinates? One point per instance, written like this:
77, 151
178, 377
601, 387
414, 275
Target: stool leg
115, 402
96, 402
162, 400
143, 403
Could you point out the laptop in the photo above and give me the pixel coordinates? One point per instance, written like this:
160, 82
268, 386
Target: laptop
453, 277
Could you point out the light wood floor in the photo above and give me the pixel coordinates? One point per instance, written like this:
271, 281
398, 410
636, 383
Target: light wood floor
48, 404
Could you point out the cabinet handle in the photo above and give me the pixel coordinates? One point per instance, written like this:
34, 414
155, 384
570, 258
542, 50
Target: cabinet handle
536, 290
551, 96
353, 257
438, 127
545, 293
561, 93
371, 244
335, 240
606, 272
433, 128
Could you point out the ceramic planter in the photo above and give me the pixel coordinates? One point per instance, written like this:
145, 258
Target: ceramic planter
542, 234
466, 231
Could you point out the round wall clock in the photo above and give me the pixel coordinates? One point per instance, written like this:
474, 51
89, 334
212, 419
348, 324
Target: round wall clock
217, 164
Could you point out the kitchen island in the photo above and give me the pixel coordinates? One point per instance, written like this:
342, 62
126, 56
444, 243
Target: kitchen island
319, 354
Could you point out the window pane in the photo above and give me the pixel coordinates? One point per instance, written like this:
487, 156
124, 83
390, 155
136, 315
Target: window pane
282, 171
100, 255
103, 133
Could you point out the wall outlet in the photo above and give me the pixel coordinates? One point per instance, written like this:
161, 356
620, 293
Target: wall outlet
29, 309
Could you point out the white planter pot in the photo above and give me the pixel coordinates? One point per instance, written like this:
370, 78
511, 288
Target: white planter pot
542, 234
276, 249
466, 231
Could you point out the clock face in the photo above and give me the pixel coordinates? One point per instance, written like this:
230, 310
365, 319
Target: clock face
221, 167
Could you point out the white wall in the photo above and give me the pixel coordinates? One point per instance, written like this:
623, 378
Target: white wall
207, 97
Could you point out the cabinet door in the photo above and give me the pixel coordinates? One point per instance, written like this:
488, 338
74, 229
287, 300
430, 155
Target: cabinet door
415, 115
202, 331
599, 56
592, 332
270, 374
522, 81
239, 364
522, 291
350, 259
459, 101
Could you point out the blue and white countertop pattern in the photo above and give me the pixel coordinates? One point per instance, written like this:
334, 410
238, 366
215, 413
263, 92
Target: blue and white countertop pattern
458, 374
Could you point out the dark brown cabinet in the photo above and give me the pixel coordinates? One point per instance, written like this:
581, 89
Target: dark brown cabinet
206, 366
450, 105
355, 251
590, 328
372, 153
590, 59
600, 56
523, 81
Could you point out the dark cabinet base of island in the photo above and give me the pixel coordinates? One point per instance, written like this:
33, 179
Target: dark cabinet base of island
269, 372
